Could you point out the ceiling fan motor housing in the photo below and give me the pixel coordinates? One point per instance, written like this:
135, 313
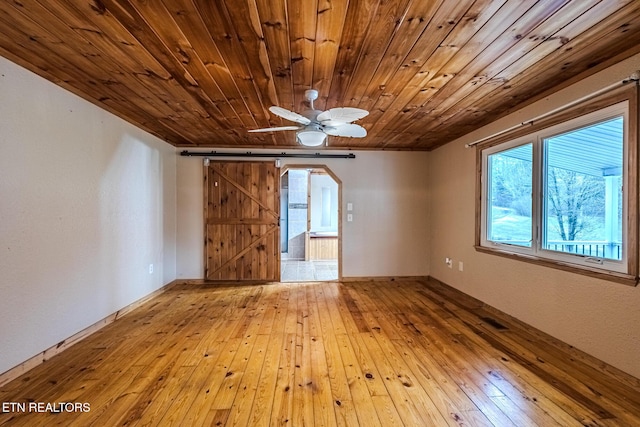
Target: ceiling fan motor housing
311, 94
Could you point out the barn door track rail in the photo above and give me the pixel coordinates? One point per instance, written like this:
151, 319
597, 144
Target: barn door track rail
269, 155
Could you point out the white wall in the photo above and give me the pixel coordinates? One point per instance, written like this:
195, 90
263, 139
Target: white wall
87, 202
596, 316
388, 235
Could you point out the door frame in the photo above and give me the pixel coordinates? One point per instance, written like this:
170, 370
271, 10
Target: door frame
293, 166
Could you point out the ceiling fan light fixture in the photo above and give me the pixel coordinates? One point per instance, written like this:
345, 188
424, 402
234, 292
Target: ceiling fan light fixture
311, 138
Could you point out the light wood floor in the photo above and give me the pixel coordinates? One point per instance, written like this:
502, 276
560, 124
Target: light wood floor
370, 354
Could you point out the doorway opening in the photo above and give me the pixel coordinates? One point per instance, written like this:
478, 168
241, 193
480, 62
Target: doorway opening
310, 224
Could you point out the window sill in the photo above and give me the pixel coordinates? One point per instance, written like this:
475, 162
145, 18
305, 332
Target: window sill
611, 276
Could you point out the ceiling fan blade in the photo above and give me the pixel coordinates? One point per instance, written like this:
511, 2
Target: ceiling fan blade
341, 115
289, 115
348, 129
276, 129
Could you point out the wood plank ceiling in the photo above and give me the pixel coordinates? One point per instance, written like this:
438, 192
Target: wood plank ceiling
200, 73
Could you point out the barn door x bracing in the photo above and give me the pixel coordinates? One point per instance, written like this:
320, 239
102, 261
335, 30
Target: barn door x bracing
242, 220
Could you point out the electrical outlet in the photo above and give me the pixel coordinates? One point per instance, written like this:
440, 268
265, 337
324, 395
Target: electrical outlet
449, 262
349, 217
150, 268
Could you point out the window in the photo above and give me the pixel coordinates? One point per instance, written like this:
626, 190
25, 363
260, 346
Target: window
509, 208
560, 195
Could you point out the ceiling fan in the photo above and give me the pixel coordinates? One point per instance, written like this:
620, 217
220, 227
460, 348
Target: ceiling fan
315, 125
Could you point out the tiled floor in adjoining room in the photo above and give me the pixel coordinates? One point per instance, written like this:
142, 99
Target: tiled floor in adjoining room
309, 271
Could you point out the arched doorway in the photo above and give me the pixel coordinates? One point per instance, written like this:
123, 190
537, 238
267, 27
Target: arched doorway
310, 224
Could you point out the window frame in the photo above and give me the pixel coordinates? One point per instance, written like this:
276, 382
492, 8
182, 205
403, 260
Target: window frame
578, 116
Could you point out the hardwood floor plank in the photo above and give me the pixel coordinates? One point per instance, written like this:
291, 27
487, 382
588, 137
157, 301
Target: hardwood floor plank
361, 397
584, 405
367, 365
207, 380
521, 387
229, 386
282, 410
409, 407
303, 390
273, 330
59, 373
123, 367
339, 383
193, 350
323, 402
465, 365
195, 397
155, 370
386, 411
329, 291
386, 353
441, 388
245, 397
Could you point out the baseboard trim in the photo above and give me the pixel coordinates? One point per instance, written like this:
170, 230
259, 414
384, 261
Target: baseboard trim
47, 354
204, 282
514, 322
381, 278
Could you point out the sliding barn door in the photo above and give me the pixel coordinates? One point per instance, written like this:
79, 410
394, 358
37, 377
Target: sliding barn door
242, 220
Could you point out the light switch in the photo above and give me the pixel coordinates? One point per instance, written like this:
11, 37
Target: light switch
349, 206
349, 217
